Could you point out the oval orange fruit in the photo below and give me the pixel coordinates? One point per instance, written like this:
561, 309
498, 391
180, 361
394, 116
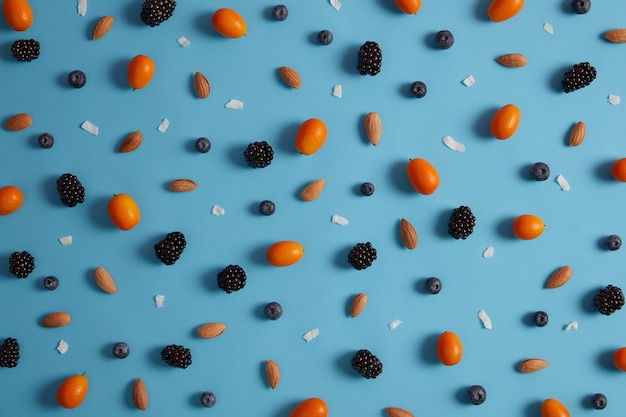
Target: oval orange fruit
311, 407
618, 170
449, 349
123, 211
553, 408
500, 10
284, 253
527, 226
504, 121
72, 391
422, 176
310, 136
18, 14
408, 6
619, 358
228, 23
10, 199
140, 71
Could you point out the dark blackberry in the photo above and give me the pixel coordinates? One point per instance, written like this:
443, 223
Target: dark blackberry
155, 12
362, 255
51, 283
540, 318
169, 249
613, 242
232, 278
366, 364
370, 58
21, 264
433, 285
9, 353
71, 191
579, 76
418, 89
280, 12
462, 223
598, 401
476, 394
259, 154
176, 356
25, 49
609, 300
273, 310
444, 39
367, 189
581, 6
45, 140
77, 78
267, 207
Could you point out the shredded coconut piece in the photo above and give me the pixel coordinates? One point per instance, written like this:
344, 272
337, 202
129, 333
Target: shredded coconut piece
451, 143
62, 347
163, 125
548, 28
484, 318
217, 210
337, 219
158, 300
82, 7
469, 81
311, 334
572, 325
184, 42
337, 91
234, 104
560, 179
394, 324
336, 4
90, 127
488, 253
614, 100
65, 240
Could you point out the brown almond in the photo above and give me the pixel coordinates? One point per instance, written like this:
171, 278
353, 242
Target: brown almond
312, 190
56, 319
201, 85
358, 304
18, 122
532, 365
616, 36
559, 277
290, 77
273, 373
408, 235
373, 127
102, 27
211, 330
577, 135
140, 395
104, 280
398, 412
512, 60
182, 186
131, 142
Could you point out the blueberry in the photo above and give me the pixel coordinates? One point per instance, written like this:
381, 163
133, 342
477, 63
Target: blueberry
433, 285
613, 242
581, 6
280, 12
444, 39
51, 283
45, 140
203, 145
418, 89
325, 37
476, 394
367, 189
273, 310
598, 401
121, 350
267, 207
207, 399
541, 318
540, 171
77, 78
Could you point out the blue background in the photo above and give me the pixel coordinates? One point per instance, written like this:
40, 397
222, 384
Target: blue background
492, 177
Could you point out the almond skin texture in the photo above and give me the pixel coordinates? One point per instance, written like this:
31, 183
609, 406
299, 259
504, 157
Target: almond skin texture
408, 234
358, 304
312, 190
397, 412
104, 280
201, 85
211, 330
512, 60
182, 186
131, 142
532, 365
56, 319
616, 36
102, 27
273, 373
18, 122
559, 277
290, 77
140, 395
373, 127
577, 135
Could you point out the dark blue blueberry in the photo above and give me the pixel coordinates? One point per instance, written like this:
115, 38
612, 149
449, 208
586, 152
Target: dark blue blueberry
613, 242
207, 399
77, 78
280, 12
598, 401
50, 283
476, 394
273, 310
581, 6
121, 350
433, 285
267, 207
203, 145
418, 89
540, 171
444, 39
367, 189
325, 37
541, 318
45, 140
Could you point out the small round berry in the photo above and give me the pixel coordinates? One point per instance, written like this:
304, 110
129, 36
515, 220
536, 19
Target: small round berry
418, 89
476, 394
121, 350
367, 189
325, 37
444, 39
77, 78
541, 318
203, 145
267, 207
613, 242
598, 401
207, 399
280, 12
540, 171
51, 283
581, 6
433, 285
273, 310
45, 140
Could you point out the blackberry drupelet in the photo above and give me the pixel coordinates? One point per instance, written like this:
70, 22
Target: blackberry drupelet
259, 154
176, 356
169, 249
71, 191
21, 264
370, 58
462, 223
155, 12
366, 364
232, 278
9, 353
25, 50
609, 300
579, 76
362, 255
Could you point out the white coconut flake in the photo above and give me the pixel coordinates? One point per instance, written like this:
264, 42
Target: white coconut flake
337, 91
163, 125
65, 240
469, 81
488, 253
484, 318
311, 334
90, 127
394, 324
158, 300
337, 219
336, 4
614, 100
572, 325
217, 211
62, 347
82, 7
451, 143
560, 179
234, 104
183, 41
548, 28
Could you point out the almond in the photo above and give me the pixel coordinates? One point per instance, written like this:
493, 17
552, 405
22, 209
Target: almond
140, 395
104, 280
18, 122
273, 373
312, 190
532, 365
211, 330
559, 277
57, 319
397, 412
577, 135
408, 235
512, 60
373, 127
616, 36
201, 85
182, 185
102, 27
131, 142
358, 304
290, 77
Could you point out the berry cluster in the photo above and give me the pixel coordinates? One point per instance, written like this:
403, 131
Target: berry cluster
362, 255
232, 278
176, 356
366, 364
169, 249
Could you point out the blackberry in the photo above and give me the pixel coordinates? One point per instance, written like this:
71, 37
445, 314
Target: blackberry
370, 59
609, 300
176, 356
366, 364
232, 278
581, 6
598, 401
462, 223
367, 189
273, 310
444, 39
45, 140
418, 89
267, 207
203, 145
71, 191
121, 350
540, 318
169, 249
325, 37
433, 285
77, 78
155, 12
280, 12
51, 283
207, 399
476, 394
579, 76
25, 49
9, 353
21, 264
613, 242
362, 255
540, 171
259, 154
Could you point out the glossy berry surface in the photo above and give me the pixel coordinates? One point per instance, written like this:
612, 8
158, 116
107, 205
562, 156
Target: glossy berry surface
121, 350
45, 140
444, 39
267, 207
273, 310
418, 89
476, 394
367, 189
325, 37
280, 12
203, 145
613, 242
540, 171
581, 6
207, 399
433, 285
598, 401
51, 283
541, 318
77, 78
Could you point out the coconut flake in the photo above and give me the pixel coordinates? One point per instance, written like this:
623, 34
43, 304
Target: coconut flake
234, 104
469, 81
488, 253
158, 300
65, 240
183, 41
394, 324
163, 125
337, 91
614, 100
453, 144
311, 334
548, 28
337, 219
560, 179
572, 325
90, 127
336, 4
62, 347
82, 7
484, 318
217, 210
